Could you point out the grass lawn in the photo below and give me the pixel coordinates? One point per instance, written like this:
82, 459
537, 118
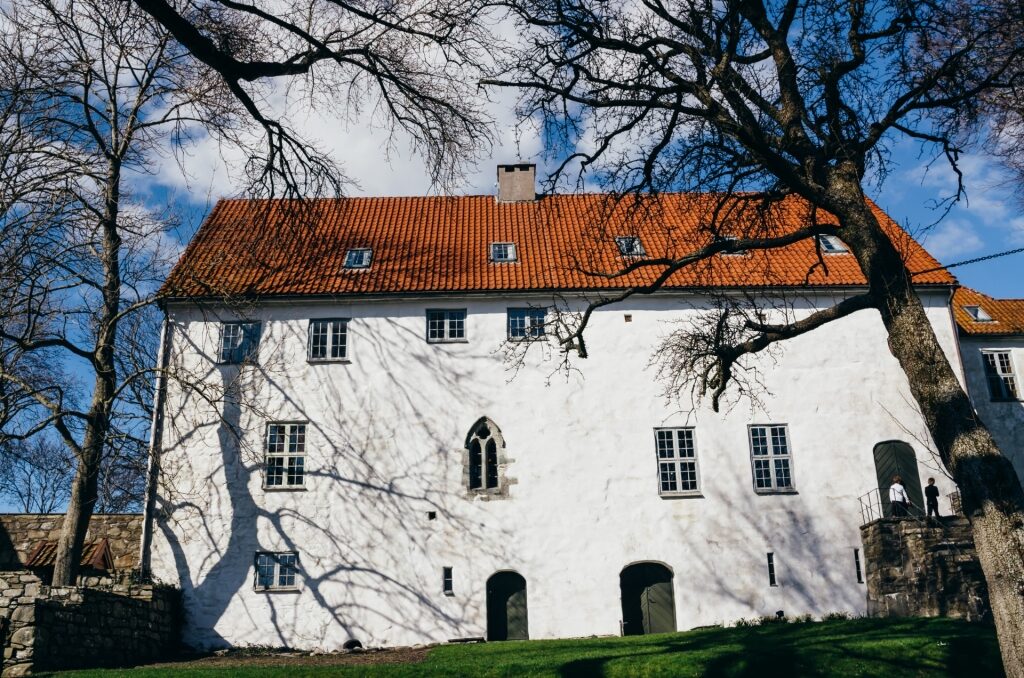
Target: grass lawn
860, 647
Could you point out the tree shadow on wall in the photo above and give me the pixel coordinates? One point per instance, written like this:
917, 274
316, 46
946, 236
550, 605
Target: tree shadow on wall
363, 495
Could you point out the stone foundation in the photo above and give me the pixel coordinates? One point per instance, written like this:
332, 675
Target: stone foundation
109, 623
923, 569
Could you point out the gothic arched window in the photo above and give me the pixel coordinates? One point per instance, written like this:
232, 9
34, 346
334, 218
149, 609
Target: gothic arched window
484, 445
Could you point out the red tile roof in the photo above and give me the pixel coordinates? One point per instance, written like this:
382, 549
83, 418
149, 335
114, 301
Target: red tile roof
441, 244
1007, 314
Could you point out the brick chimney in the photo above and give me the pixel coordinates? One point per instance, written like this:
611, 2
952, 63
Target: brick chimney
517, 183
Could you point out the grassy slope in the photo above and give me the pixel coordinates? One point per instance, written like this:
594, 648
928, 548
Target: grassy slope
863, 647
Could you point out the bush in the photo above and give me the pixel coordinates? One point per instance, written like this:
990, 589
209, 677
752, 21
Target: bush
836, 616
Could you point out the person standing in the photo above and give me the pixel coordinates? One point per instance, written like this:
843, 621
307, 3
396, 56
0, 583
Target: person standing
931, 495
898, 498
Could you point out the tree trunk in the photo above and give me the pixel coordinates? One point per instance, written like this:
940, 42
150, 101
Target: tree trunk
992, 497
84, 489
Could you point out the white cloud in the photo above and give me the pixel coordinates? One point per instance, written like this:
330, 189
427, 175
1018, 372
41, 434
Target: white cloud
953, 239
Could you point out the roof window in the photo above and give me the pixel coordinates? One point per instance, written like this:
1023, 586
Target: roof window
630, 246
503, 251
978, 314
359, 257
831, 244
730, 238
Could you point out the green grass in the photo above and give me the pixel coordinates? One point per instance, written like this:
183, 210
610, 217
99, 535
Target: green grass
861, 647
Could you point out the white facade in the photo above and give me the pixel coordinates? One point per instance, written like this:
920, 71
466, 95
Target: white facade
386, 436
1004, 418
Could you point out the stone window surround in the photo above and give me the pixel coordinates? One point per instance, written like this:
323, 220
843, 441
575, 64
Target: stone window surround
504, 481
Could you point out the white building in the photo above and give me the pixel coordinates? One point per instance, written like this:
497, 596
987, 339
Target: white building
386, 476
992, 346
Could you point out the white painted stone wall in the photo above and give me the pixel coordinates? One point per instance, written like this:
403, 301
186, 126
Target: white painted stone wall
1004, 419
385, 444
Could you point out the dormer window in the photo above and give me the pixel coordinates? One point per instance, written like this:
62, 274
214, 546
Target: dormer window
359, 257
503, 252
630, 246
978, 314
831, 244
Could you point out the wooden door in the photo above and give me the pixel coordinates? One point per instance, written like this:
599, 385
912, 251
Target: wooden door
507, 616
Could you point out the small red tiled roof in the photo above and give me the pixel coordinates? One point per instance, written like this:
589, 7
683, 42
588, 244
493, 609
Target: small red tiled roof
95, 555
441, 244
1007, 314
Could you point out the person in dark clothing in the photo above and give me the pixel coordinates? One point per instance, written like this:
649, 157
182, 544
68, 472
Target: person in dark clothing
931, 495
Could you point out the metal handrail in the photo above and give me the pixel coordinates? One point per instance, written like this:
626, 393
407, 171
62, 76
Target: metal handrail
872, 508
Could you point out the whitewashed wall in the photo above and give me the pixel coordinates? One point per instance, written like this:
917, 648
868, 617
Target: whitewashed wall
1004, 419
385, 444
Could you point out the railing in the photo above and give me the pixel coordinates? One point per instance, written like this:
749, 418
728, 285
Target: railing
872, 507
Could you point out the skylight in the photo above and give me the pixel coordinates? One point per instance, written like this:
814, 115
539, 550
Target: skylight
831, 244
503, 251
358, 257
978, 314
630, 246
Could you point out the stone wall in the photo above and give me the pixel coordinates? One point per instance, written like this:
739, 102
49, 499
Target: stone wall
923, 569
20, 532
110, 623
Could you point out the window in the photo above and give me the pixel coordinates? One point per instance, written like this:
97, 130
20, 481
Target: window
770, 458
1002, 385
503, 252
447, 325
630, 246
276, 571
359, 257
730, 238
978, 314
856, 564
328, 340
772, 581
446, 581
831, 244
286, 455
239, 342
526, 323
677, 461
483, 445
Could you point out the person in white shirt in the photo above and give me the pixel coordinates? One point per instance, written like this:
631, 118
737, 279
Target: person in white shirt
898, 498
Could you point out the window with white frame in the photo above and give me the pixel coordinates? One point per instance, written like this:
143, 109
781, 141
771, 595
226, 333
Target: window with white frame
276, 571
526, 323
285, 455
771, 458
446, 325
359, 257
239, 342
1002, 383
677, 461
978, 314
503, 252
831, 244
328, 339
630, 246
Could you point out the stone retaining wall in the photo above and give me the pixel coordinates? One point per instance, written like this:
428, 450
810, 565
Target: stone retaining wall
923, 569
109, 623
20, 532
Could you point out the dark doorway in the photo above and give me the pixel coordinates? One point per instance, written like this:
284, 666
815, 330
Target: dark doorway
506, 607
648, 601
896, 458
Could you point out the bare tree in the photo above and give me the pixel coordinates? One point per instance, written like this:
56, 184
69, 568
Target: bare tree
93, 91
36, 476
764, 100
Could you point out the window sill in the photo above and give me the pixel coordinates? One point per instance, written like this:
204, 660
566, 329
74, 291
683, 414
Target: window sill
1006, 400
525, 340
447, 341
285, 488
775, 492
503, 261
343, 361
291, 589
682, 495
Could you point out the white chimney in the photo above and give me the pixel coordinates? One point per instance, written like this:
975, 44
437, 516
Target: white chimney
517, 183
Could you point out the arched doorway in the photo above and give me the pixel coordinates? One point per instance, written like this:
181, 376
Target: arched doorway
506, 607
897, 458
648, 599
